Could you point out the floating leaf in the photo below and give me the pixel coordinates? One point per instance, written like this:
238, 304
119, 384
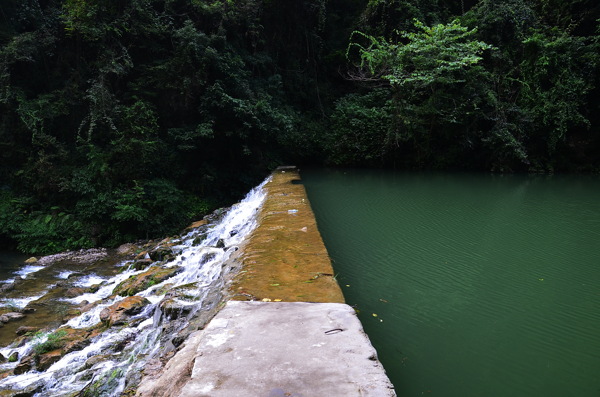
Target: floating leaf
374, 314
276, 300
274, 285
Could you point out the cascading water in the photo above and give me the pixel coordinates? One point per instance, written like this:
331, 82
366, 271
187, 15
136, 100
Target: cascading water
114, 359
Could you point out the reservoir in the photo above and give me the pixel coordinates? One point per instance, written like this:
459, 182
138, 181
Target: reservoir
470, 284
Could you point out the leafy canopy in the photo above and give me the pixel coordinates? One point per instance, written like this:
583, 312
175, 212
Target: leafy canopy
435, 54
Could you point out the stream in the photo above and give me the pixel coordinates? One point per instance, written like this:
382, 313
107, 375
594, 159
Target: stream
111, 361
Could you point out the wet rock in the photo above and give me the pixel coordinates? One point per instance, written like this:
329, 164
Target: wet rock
127, 249
46, 360
161, 253
94, 360
25, 365
74, 292
61, 342
141, 264
82, 256
178, 340
145, 280
216, 216
172, 309
75, 339
28, 391
199, 239
197, 224
28, 310
7, 287
33, 259
220, 243
94, 288
2, 359
120, 312
142, 255
74, 275
27, 330
6, 317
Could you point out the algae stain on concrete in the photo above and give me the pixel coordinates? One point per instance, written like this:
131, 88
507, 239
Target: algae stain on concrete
285, 258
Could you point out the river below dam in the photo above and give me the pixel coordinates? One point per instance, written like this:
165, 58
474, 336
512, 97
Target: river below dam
470, 285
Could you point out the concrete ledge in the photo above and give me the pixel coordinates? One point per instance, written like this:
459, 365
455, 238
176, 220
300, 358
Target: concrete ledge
285, 258
280, 343
285, 349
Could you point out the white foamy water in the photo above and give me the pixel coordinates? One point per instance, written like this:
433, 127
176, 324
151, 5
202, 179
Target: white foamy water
64, 275
27, 270
201, 268
20, 302
89, 280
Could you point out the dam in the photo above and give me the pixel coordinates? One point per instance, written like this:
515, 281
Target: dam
286, 332
244, 302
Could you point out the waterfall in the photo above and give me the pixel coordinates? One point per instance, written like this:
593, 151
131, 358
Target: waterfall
114, 358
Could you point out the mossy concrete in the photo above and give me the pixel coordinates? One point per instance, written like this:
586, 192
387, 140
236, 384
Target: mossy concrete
285, 258
295, 336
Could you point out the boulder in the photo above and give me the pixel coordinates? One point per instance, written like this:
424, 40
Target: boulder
127, 249
197, 224
25, 365
27, 330
161, 253
13, 357
46, 360
7, 287
173, 309
75, 339
6, 317
145, 280
120, 312
141, 264
63, 341
2, 359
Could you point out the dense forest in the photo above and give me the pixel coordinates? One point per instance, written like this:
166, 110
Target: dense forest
124, 119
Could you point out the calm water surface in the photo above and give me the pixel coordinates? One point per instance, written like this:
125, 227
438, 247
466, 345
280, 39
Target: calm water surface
470, 285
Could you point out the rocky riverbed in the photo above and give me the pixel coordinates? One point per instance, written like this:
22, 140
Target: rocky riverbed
92, 322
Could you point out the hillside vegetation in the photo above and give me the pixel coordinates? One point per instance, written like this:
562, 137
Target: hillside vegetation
124, 119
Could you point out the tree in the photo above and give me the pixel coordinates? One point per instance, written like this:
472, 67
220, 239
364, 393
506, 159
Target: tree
427, 71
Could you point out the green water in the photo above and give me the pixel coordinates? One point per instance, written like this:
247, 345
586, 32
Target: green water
470, 285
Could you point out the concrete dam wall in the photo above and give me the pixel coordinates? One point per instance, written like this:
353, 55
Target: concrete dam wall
286, 330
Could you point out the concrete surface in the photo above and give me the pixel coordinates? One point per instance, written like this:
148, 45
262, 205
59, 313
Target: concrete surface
286, 345
277, 349
284, 258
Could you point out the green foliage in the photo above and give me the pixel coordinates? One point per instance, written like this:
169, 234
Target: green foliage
557, 72
360, 125
54, 341
433, 55
122, 119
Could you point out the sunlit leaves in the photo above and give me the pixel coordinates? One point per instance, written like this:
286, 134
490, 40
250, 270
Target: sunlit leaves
431, 55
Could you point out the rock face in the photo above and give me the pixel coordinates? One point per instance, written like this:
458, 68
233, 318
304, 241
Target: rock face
138, 283
120, 312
